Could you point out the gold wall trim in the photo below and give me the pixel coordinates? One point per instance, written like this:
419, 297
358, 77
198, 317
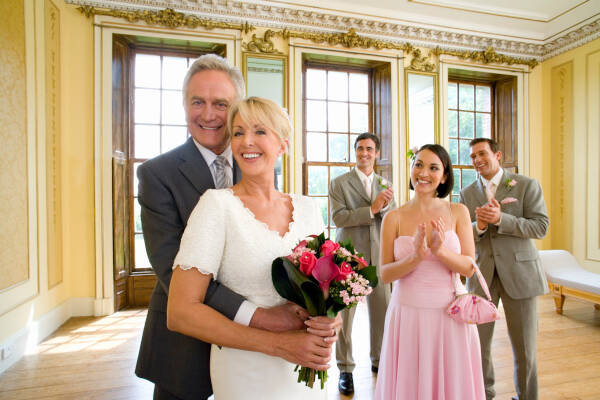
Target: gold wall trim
168, 18
351, 39
486, 57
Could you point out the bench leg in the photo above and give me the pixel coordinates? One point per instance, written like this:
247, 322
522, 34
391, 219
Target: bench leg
559, 300
597, 307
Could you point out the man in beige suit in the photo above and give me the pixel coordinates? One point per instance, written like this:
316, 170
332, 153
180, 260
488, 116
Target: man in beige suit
508, 212
359, 200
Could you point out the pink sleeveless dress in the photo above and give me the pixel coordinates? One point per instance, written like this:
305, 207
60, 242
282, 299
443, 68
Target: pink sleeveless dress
425, 354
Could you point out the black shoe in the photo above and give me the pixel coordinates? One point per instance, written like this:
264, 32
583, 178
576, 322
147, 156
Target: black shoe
374, 369
346, 384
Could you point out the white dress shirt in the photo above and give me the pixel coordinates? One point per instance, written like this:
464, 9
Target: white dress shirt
369, 179
496, 181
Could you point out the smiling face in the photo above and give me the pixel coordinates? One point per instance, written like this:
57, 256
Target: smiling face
427, 173
485, 161
209, 95
255, 147
366, 154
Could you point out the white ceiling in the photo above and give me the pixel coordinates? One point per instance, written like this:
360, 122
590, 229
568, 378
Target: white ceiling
536, 21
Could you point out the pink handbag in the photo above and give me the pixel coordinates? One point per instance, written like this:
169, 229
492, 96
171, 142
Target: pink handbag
470, 308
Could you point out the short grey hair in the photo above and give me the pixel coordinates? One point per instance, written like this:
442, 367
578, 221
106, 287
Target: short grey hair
213, 62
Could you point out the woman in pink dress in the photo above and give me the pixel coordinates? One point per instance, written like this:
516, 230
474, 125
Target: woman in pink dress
426, 355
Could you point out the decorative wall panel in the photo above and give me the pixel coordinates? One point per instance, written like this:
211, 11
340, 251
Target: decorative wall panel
562, 148
53, 198
14, 262
593, 148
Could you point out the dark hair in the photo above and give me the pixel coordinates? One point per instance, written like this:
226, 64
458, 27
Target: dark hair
493, 145
368, 135
445, 188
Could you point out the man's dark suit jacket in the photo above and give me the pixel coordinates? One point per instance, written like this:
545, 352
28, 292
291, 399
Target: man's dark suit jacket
169, 188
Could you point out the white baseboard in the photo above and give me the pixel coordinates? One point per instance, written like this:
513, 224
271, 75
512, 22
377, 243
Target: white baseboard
26, 339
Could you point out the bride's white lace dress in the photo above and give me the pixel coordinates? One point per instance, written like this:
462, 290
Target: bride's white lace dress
224, 238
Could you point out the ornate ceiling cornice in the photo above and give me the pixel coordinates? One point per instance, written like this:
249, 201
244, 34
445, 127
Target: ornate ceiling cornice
239, 13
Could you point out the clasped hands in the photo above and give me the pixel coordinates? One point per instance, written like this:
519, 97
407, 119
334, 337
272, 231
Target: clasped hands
489, 213
382, 200
303, 339
436, 242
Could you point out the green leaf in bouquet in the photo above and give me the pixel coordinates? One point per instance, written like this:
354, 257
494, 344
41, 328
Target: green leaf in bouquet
370, 273
335, 308
313, 298
287, 280
347, 244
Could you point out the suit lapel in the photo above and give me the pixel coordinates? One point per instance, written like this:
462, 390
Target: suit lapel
355, 182
237, 172
194, 167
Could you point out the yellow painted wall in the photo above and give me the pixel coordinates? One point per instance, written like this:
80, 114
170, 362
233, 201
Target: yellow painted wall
78, 152
77, 169
569, 210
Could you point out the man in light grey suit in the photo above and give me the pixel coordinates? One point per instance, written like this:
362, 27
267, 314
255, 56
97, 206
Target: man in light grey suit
508, 212
359, 200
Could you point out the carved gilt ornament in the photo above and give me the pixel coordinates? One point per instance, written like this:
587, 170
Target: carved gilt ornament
172, 19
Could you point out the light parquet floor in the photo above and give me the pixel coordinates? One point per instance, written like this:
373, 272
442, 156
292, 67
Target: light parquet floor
94, 358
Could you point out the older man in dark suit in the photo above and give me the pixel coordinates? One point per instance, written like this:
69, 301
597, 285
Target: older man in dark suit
169, 188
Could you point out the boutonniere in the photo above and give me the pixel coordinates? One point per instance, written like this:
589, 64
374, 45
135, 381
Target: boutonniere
383, 183
412, 153
510, 183
508, 200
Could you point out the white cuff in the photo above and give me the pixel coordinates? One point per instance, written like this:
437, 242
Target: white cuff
245, 313
479, 231
371, 213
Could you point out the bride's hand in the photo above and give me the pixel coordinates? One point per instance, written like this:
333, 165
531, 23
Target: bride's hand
438, 235
325, 327
300, 347
419, 241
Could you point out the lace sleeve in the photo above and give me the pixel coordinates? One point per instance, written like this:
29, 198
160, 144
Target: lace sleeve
203, 240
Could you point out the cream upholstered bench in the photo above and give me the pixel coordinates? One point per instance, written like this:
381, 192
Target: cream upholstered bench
567, 278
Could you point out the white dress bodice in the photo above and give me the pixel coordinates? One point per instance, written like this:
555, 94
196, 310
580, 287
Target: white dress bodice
223, 238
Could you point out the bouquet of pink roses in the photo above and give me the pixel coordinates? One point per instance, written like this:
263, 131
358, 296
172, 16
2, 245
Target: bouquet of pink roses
324, 277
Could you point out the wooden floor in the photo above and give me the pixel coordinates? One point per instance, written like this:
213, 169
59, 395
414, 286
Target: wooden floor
94, 358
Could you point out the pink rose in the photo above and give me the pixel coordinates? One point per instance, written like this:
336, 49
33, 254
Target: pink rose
307, 263
512, 183
508, 200
361, 262
329, 247
301, 244
345, 270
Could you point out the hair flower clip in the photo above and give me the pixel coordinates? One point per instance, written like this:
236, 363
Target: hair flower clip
509, 183
412, 153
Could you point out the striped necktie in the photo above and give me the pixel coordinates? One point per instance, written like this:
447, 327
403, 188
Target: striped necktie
222, 179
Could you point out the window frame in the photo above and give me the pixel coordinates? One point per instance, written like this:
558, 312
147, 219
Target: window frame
460, 167
350, 164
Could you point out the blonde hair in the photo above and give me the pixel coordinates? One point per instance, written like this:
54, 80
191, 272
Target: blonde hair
258, 110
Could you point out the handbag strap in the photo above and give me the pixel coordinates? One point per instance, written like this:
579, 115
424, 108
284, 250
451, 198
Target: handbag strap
484, 286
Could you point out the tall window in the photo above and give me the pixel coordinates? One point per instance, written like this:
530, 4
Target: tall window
158, 124
337, 106
470, 115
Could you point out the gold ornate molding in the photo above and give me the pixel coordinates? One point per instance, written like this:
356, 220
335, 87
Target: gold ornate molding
486, 56
173, 19
168, 18
348, 39
262, 45
421, 63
